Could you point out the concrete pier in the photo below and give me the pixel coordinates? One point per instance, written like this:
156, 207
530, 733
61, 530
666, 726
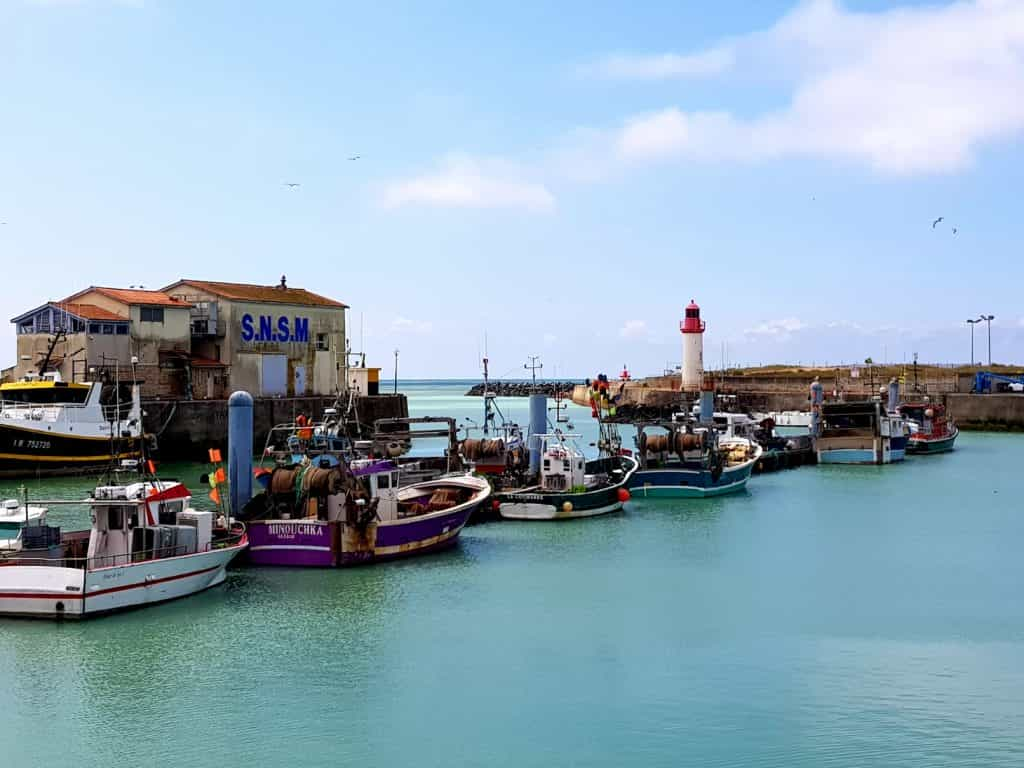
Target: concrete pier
1004, 412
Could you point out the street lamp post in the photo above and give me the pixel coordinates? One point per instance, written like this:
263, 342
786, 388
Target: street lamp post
972, 323
396, 371
988, 322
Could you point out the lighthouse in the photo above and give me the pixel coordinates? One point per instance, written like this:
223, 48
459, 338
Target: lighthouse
693, 348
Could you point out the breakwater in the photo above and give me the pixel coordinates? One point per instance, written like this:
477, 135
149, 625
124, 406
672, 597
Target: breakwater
522, 388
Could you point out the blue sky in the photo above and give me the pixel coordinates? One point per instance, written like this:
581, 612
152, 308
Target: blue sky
563, 177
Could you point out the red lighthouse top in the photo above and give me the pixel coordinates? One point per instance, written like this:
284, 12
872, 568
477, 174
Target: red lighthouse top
692, 322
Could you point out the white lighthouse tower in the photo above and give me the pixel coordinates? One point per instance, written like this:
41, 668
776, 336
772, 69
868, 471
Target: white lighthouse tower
693, 348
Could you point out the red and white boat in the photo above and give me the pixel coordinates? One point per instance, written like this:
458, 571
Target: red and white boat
146, 545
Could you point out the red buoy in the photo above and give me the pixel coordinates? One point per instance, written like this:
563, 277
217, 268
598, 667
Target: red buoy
623, 495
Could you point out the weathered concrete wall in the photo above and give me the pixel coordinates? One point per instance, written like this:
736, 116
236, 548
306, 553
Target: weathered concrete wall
987, 411
186, 429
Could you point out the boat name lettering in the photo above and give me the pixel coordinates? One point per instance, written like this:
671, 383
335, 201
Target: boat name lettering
527, 497
270, 328
291, 530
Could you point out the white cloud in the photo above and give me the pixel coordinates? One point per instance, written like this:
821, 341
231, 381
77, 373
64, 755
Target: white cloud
665, 65
469, 182
633, 329
405, 325
777, 329
907, 90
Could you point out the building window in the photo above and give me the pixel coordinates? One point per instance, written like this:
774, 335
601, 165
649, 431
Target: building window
26, 327
152, 314
108, 329
94, 327
122, 330
43, 321
322, 343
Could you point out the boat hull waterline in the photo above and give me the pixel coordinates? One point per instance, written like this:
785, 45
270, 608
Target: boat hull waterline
311, 543
564, 506
690, 483
45, 591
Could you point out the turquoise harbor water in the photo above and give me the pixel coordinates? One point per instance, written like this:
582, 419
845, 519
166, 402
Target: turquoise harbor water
828, 617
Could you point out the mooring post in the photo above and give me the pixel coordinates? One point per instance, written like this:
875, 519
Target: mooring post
240, 434
538, 426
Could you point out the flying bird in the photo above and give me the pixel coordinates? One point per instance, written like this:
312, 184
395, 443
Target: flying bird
954, 230
292, 185
934, 223
355, 157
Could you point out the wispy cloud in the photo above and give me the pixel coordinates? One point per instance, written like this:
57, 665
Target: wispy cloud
633, 329
663, 66
906, 90
469, 182
776, 329
418, 327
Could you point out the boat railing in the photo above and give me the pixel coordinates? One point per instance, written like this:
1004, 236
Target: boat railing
99, 562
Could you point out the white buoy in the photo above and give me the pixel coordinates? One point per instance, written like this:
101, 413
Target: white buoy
693, 348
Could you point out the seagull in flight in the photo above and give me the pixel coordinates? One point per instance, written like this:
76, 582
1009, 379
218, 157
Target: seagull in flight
355, 157
937, 221
292, 184
954, 230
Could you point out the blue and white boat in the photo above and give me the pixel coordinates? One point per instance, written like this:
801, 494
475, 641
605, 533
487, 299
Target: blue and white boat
860, 433
678, 461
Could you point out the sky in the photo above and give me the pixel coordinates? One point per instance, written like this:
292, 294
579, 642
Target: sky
536, 178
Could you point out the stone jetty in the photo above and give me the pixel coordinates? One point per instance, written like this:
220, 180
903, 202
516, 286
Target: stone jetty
522, 388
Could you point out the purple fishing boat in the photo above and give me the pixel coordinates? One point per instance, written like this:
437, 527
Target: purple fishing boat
337, 516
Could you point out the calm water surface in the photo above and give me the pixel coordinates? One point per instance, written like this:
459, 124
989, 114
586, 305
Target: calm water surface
827, 617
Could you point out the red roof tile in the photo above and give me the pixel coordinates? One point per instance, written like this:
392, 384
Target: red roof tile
270, 294
88, 311
132, 296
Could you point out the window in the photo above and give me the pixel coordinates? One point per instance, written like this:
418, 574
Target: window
122, 330
384, 481
152, 314
26, 327
115, 518
94, 327
108, 329
322, 343
43, 321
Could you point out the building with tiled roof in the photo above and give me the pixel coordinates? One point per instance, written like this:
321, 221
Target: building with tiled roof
275, 340
264, 294
193, 339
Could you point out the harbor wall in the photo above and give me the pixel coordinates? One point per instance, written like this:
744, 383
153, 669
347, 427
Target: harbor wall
186, 429
996, 412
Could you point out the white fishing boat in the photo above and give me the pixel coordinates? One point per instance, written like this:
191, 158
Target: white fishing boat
50, 426
145, 545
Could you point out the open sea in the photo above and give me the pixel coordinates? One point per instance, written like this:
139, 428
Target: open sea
857, 616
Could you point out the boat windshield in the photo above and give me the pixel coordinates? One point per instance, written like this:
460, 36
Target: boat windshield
44, 395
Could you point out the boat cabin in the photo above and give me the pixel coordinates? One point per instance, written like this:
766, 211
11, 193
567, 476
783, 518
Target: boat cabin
49, 390
14, 518
926, 418
562, 467
145, 521
859, 419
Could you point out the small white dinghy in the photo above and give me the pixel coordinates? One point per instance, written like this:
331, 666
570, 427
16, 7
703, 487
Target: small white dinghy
146, 545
